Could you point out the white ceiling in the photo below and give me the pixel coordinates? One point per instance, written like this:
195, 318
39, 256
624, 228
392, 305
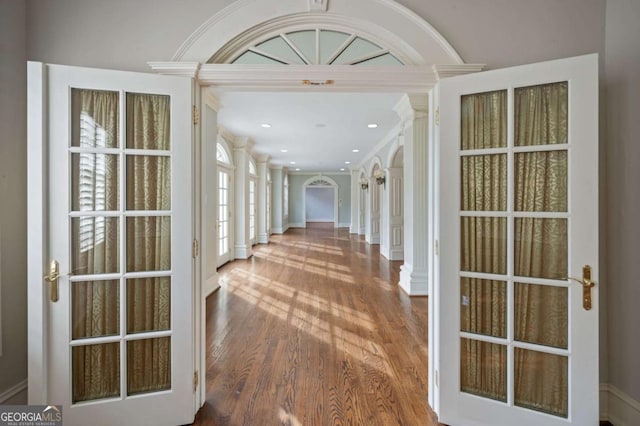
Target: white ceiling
296, 120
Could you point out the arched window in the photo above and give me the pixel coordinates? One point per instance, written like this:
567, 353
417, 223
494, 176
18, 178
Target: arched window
221, 154
317, 46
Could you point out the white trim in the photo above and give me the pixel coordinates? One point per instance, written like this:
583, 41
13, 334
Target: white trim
407, 34
297, 225
37, 232
344, 225
325, 173
617, 407
14, 390
242, 251
278, 231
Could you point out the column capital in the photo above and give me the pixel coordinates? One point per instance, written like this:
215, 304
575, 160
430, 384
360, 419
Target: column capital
243, 143
276, 167
263, 158
412, 106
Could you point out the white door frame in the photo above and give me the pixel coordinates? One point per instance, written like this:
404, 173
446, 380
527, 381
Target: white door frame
320, 181
427, 54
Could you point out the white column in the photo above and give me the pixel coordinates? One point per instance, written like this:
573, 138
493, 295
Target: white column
276, 199
262, 167
241, 149
355, 192
413, 110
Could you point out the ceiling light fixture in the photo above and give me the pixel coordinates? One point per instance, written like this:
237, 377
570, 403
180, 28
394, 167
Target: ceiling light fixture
355, 150
298, 169
342, 169
372, 125
284, 150
292, 162
347, 162
266, 125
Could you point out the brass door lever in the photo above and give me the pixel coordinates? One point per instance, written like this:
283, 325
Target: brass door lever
587, 285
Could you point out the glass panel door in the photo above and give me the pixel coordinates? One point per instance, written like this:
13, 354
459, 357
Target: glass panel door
224, 215
121, 329
252, 211
514, 332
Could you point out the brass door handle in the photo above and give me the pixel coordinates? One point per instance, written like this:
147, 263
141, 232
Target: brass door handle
587, 285
52, 278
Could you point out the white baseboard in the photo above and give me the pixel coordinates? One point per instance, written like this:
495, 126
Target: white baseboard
263, 239
211, 285
326, 220
617, 407
8, 395
242, 252
297, 225
277, 231
412, 282
345, 225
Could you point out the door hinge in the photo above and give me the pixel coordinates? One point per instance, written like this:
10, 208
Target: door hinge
436, 247
196, 379
437, 117
196, 115
196, 248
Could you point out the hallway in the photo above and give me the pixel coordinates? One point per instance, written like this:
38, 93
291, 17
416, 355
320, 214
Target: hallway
314, 330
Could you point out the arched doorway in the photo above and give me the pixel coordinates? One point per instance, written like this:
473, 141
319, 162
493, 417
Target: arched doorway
320, 200
376, 177
392, 246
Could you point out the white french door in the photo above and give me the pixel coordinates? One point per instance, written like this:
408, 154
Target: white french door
117, 194
224, 216
374, 217
517, 340
252, 211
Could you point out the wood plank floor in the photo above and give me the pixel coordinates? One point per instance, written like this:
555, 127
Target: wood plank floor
314, 330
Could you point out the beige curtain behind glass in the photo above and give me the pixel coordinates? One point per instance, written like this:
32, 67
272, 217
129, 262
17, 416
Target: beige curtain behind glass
148, 241
541, 246
95, 245
483, 243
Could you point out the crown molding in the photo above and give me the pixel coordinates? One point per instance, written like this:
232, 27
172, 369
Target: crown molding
211, 100
184, 69
451, 70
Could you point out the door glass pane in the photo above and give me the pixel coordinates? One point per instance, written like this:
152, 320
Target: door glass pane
94, 182
483, 369
541, 314
96, 371
95, 247
277, 47
484, 120
148, 121
95, 308
541, 381
148, 182
330, 42
541, 114
95, 118
483, 308
356, 50
148, 304
305, 41
483, 244
484, 183
148, 365
540, 248
541, 181
148, 243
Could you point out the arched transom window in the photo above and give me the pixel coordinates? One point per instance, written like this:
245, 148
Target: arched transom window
221, 154
317, 47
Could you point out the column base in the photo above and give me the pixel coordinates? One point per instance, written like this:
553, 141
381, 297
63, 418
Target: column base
243, 252
414, 283
211, 285
263, 239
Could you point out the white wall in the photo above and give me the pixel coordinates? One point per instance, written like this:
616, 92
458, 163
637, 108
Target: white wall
622, 66
13, 194
319, 204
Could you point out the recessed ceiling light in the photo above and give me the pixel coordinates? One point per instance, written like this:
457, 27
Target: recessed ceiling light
342, 169
372, 125
355, 150
347, 162
284, 150
292, 162
266, 125
321, 125
298, 169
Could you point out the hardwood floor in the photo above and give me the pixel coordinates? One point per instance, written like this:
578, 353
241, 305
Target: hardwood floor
314, 330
